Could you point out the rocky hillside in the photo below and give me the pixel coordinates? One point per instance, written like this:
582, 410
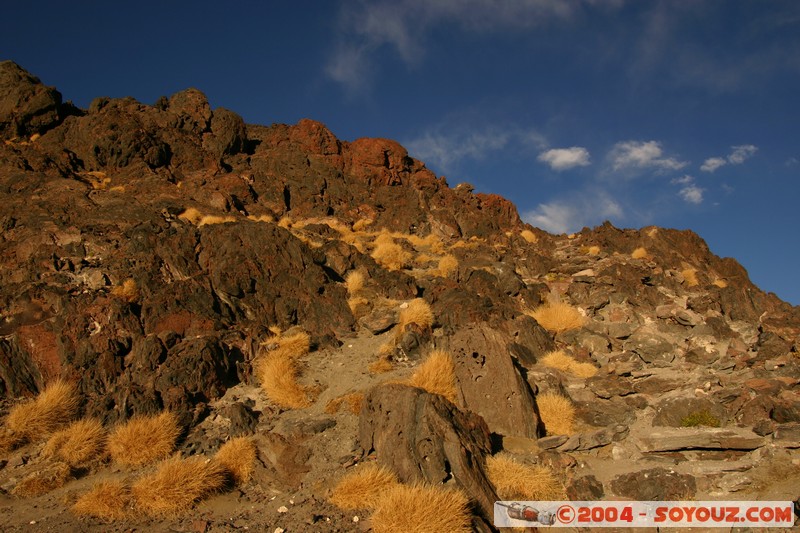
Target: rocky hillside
153, 255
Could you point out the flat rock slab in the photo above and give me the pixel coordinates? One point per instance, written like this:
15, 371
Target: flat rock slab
676, 439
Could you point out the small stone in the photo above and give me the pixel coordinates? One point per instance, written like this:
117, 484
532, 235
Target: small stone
279, 530
355, 519
283, 509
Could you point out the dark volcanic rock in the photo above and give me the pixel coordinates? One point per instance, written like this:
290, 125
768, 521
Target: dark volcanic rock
26, 105
654, 484
423, 437
490, 383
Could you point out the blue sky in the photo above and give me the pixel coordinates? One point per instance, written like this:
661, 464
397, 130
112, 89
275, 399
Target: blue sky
677, 113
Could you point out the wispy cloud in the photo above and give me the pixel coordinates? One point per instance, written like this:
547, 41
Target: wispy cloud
713, 163
639, 155
451, 142
404, 25
692, 194
739, 154
575, 211
565, 158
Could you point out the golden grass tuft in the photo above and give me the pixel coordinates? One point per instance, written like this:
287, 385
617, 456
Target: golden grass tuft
285, 222
80, 442
363, 487
177, 484
128, 291
238, 457
430, 242
278, 371
448, 265
518, 481
558, 359
10, 440
391, 255
354, 281
640, 253
191, 215
436, 374
721, 283
54, 408
529, 236
593, 250
358, 304
208, 220
144, 439
557, 413
418, 312
422, 509
362, 224
380, 365
558, 317
107, 500
353, 401
261, 218
690, 277
52, 477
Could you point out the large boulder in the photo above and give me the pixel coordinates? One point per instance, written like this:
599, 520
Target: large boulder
424, 437
490, 383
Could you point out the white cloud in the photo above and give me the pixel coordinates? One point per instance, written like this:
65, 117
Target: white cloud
713, 163
638, 155
692, 194
571, 214
740, 153
452, 141
683, 180
565, 158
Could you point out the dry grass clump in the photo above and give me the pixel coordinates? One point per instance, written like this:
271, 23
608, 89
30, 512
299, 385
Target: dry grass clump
390, 255
128, 291
448, 265
261, 218
418, 312
362, 224
558, 317
721, 283
79, 443
144, 439
352, 400
529, 236
355, 281
191, 215
52, 477
558, 359
238, 457
208, 220
363, 487
422, 509
107, 500
640, 253
690, 277
381, 365
430, 242
593, 250
285, 222
436, 375
518, 481
557, 413
54, 408
177, 484
358, 305
278, 371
